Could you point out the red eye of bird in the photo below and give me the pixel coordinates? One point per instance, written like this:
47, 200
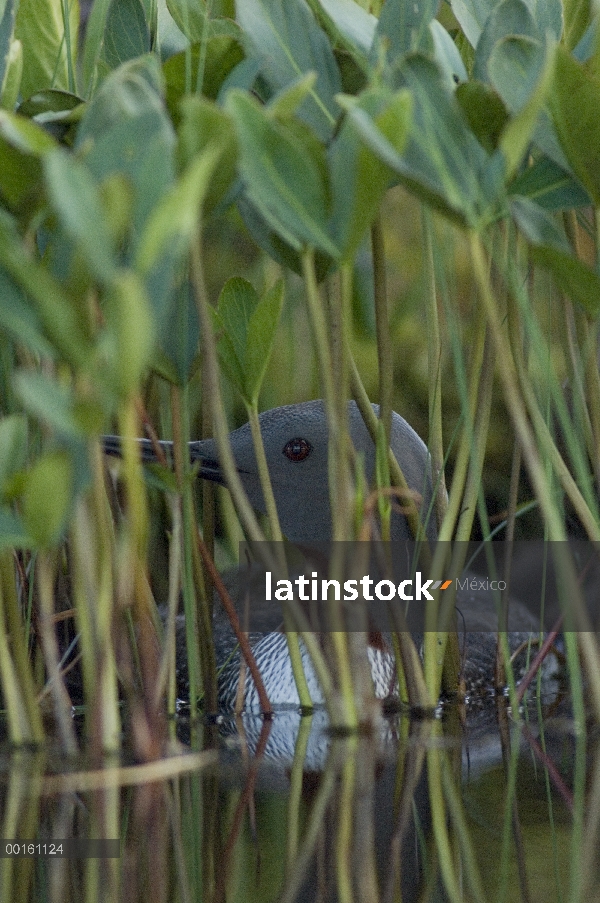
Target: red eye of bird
297, 449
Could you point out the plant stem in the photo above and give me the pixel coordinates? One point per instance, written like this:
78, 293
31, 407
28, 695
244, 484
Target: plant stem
434, 349
18, 643
339, 483
385, 355
62, 702
397, 478
263, 474
213, 388
516, 408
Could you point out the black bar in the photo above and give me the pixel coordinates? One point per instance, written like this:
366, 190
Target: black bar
66, 848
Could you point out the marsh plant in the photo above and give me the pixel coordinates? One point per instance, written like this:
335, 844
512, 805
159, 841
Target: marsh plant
211, 208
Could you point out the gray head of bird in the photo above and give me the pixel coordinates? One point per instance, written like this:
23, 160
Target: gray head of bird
296, 442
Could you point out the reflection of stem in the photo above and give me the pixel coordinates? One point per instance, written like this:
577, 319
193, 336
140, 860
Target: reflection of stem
295, 793
311, 834
460, 828
346, 811
439, 820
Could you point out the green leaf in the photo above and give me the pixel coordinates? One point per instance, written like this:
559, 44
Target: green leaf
129, 329
47, 498
51, 403
77, 202
472, 16
125, 130
347, 24
286, 37
284, 177
213, 62
577, 15
237, 302
12, 532
189, 16
285, 103
94, 38
447, 56
403, 28
19, 319
485, 112
549, 17
510, 18
574, 103
165, 242
516, 65
202, 124
550, 186
174, 220
126, 33
13, 445
275, 246
22, 145
262, 329
176, 358
549, 247
359, 178
64, 319
7, 23
11, 86
443, 163
537, 80
246, 332
49, 44
52, 106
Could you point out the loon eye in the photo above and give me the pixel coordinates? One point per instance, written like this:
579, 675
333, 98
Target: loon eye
297, 449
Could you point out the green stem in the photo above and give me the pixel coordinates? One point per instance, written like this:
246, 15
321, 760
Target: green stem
544, 437
478, 446
213, 388
385, 356
62, 702
592, 379
68, 47
397, 478
181, 460
263, 474
339, 483
434, 347
18, 643
167, 672
265, 482
439, 819
516, 409
19, 726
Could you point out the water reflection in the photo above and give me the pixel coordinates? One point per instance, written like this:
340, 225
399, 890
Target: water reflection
469, 806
